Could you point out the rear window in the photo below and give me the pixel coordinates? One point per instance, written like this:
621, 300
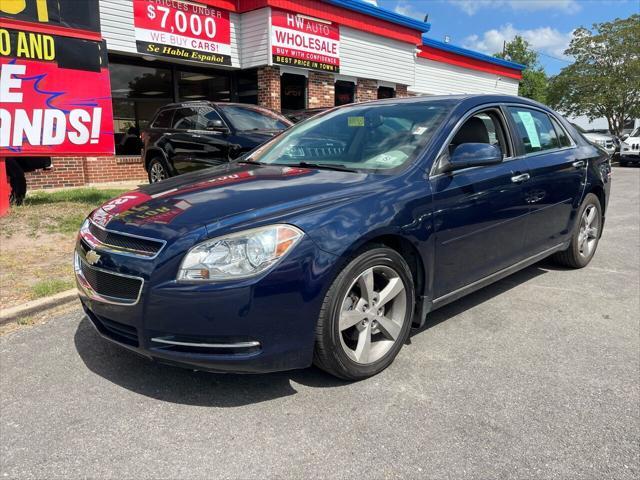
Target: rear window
534, 129
194, 118
250, 118
163, 119
563, 138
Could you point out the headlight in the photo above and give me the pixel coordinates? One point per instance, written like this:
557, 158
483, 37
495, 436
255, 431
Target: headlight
239, 255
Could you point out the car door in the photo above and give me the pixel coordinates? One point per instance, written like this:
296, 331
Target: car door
195, 146
557, 176
479, 212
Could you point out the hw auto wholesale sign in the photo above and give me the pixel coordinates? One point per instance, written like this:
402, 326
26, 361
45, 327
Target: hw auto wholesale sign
305, 42
170, 28
55, 89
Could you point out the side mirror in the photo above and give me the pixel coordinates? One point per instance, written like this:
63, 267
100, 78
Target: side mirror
217, 125
473, 155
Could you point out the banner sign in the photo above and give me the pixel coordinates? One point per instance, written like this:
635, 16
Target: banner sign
171, 28
76, 14
56, 96
301, 41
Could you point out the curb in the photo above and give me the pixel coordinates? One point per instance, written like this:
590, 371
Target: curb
37, 306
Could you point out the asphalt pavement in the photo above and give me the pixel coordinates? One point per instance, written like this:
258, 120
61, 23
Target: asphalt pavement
536, 376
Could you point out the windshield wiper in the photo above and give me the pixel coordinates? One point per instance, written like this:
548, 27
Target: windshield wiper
322, 166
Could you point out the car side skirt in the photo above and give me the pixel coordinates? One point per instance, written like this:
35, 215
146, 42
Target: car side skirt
494, 277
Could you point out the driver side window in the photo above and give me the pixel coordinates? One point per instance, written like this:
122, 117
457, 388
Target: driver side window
483, 127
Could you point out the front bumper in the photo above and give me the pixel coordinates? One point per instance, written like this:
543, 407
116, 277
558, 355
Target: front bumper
256, 325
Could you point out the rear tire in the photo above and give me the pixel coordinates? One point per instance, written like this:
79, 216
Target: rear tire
585, 237
366, 315
157, 170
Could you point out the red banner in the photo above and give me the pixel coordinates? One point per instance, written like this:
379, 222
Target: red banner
48, 110
183, 30
302, 41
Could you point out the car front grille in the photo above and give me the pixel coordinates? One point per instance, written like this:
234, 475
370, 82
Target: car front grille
113, 286
132, 244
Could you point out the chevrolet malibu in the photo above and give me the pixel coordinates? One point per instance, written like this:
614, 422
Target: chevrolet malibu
328, 243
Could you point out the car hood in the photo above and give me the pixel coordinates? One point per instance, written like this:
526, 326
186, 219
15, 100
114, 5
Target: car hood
259, 136
599, 136
227, 195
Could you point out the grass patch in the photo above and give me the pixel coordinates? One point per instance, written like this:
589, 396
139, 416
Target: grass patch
86, 196
46, 288
26, 321
69, 223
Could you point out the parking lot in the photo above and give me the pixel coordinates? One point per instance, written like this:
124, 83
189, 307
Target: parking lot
533, 377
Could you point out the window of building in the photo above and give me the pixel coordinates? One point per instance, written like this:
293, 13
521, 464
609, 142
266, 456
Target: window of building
211, 86
137, 92
248, 86
345, 92
293, 92
386, 92
535, 130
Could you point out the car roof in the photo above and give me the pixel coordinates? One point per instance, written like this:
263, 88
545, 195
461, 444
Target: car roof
194, 103
471, 100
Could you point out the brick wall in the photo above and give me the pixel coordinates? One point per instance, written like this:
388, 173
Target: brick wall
320, 90
401, 91
78, 171
269, 88
366, 90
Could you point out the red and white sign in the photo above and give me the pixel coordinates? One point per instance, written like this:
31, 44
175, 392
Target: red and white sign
48, 110
171, 28
302, 41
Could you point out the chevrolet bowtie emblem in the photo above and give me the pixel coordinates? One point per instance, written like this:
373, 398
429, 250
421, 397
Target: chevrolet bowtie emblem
92, 257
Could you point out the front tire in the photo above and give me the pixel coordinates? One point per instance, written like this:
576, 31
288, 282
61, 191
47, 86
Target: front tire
366, 315
585, 237
157, 170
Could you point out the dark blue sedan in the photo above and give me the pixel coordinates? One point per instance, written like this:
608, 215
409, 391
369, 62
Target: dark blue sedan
328, 243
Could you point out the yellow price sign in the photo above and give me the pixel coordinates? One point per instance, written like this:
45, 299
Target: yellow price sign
355, 121
14, 7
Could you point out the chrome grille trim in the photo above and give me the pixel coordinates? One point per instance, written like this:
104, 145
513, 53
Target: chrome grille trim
85, 287
206, 345
95, 243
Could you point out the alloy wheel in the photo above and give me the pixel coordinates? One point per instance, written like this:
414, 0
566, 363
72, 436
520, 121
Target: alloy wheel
589, 229
157, 172
372, 315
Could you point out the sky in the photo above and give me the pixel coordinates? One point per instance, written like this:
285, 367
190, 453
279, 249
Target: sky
483, 25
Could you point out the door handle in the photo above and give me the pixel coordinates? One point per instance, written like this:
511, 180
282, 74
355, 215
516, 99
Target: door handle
523, 177
578, 164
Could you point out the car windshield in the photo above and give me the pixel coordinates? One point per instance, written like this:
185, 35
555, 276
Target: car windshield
635, 133
253, 118
368, 137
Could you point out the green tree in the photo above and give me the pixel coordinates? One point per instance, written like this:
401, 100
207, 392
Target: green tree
604, 80
534, 80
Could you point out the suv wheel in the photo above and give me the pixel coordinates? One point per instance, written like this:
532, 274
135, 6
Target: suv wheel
158, 170
366, 315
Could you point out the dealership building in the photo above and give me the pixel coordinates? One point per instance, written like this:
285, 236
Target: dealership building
285, 55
